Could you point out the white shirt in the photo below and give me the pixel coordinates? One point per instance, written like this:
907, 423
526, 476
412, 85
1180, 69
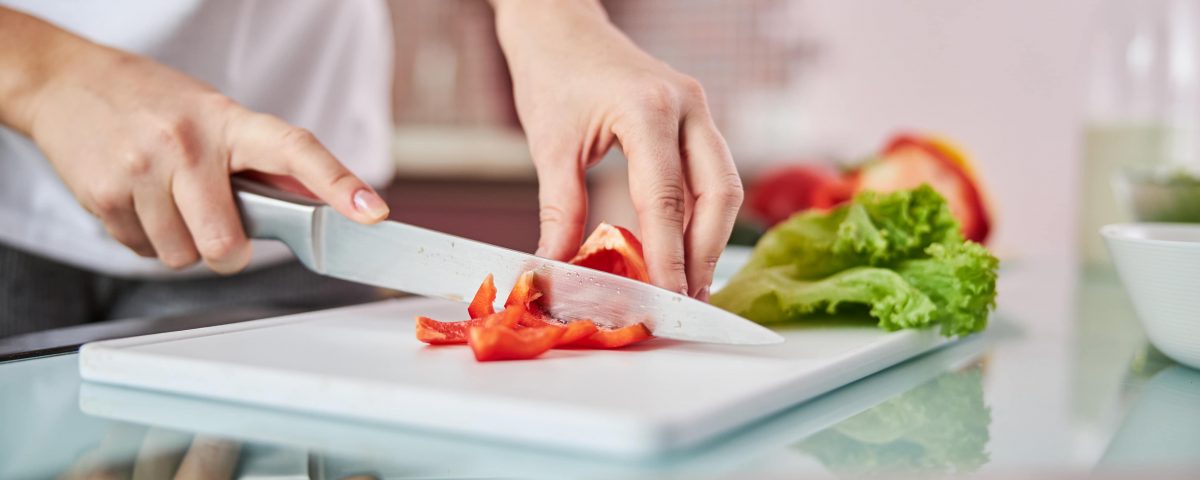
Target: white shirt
324, 65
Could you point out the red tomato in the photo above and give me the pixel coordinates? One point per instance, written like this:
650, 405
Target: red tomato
778, 194
614, 250
910, 161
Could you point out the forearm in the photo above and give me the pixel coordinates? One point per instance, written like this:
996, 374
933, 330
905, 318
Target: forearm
522, 23
32, 52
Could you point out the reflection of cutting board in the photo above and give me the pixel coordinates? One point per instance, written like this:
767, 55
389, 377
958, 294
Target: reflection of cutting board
364, 362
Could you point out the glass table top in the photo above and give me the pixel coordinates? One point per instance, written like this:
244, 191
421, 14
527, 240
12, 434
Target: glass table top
1062, 383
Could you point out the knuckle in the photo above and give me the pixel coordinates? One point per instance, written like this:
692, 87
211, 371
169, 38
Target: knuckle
177, 259
676, 265
297, 138
218, 246
555, 215
174, 136
692, 89
108, 201
729, 190
340, 176
137, 164
656, 98
667, 202
217, 103
709, 262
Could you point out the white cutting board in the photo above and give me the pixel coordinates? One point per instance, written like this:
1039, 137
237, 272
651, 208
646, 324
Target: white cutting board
365, 362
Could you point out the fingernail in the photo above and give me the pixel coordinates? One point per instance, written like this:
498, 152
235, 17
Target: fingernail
702, 295
369, 203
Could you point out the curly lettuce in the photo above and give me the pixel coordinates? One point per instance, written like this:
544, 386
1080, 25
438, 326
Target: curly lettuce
873, 229
899, 255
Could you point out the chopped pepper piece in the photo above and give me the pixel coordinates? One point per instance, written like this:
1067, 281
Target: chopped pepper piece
614, 250
490, 343
523, 330
481, 305
614, 338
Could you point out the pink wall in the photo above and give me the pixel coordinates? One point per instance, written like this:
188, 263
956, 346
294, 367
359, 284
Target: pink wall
1004, 78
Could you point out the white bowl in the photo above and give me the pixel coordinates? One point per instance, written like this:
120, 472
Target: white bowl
1159, 264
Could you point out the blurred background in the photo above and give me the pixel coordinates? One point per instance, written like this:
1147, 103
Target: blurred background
790, 82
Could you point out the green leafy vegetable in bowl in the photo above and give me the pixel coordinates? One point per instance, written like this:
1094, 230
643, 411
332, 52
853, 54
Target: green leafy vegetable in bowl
899, 254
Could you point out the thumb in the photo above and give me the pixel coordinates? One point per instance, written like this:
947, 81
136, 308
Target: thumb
269, 145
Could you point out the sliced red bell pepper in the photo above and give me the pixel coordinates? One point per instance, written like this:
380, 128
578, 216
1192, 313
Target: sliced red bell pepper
434, 332
614, 338
522, 330
490, 343
524, 293
481, 305
614, 250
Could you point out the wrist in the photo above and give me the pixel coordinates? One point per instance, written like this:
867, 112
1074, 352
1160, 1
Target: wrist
33, 53
520, 22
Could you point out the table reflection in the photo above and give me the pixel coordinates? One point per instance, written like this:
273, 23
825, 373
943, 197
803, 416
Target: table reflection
939, 407
940, 426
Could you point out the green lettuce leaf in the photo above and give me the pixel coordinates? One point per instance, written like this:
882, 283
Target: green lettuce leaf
961, 281
775, 295
900, 255
873, 229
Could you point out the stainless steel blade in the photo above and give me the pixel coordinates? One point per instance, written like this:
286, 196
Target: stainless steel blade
429, 263
425, 262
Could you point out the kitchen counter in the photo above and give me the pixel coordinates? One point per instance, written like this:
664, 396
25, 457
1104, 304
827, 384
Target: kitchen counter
1062, 384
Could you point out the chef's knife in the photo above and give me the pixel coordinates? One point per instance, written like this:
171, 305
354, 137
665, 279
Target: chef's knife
416, 260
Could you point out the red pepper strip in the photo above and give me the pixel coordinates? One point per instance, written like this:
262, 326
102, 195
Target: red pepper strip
503, 343
434, 332
523, 293
576, 331
481, 305
615, 338
572, 331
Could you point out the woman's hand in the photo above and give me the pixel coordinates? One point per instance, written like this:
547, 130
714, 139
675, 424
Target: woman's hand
581, 85
150, 150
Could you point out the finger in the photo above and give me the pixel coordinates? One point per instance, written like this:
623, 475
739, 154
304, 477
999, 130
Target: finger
659, 193
123, 225
270, 145
205, 200
160, 453
562, 199
209, 458
714, 181
161, 220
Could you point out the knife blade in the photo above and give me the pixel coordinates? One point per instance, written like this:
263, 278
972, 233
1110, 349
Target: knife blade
434, 264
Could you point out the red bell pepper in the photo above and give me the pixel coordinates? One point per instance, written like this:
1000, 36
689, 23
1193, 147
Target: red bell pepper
522, 330
614, 250
490, 343
614, 338
481, 305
